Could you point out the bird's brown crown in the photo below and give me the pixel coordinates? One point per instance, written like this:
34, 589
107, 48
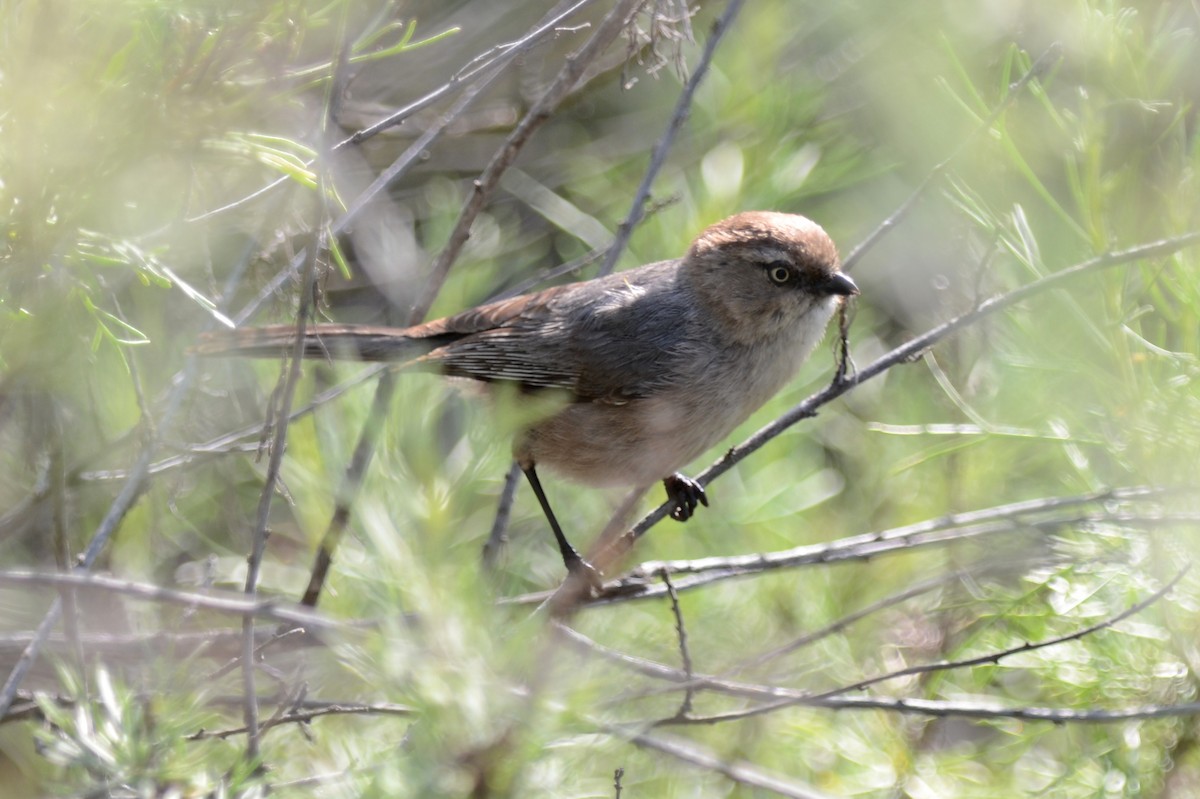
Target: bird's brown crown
766, 236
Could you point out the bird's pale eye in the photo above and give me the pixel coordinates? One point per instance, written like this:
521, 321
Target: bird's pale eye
779, 272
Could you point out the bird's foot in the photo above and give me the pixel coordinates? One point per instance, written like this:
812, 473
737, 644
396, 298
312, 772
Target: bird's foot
686, 493
585, 575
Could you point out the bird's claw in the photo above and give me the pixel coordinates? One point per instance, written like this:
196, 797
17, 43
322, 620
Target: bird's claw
585, 574
686, 494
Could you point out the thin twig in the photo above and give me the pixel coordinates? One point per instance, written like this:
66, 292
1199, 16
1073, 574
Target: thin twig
295, 716
124, 501
236, 440
777, 698
838, 625
272, 638
398, 168
965, 710
861, 551
658, 157
280, 419
506, 53
128, 645
685, 655
267, 495
356, 470
54, 458
472, 69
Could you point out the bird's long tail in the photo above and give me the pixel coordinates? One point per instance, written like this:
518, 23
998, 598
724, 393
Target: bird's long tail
325, 341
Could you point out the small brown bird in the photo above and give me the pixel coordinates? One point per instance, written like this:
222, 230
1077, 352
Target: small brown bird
660, 362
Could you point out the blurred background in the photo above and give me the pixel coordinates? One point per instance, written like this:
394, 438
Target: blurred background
163, 163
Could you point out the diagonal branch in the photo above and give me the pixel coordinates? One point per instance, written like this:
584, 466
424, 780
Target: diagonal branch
996, 657
683, 108
608, 30
914, 347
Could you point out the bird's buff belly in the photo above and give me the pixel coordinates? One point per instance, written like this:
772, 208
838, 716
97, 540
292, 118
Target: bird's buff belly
633, 444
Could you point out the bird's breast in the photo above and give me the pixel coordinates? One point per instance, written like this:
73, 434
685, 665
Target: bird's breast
716, 387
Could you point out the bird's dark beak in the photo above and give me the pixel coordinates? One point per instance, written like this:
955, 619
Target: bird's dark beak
841, 284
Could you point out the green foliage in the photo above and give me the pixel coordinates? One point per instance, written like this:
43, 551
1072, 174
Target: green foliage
161, 162
123, 744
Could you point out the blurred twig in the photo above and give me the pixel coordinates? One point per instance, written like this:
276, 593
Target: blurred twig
504, 55
838, 625
498, 56
279, 420
125, 499
685, 653
997, 656
236, 440
739, 771
306, 712
1039, 67
498, 536
226, 602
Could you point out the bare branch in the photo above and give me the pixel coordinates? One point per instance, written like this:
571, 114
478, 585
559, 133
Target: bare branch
220, 602
967, 710
279, 421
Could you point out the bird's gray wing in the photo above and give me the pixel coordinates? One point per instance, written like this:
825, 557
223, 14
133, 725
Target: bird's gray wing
608, 340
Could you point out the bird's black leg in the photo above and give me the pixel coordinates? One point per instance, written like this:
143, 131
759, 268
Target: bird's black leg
574, 562
686, 493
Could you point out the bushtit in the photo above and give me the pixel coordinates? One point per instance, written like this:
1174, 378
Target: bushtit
659, 362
